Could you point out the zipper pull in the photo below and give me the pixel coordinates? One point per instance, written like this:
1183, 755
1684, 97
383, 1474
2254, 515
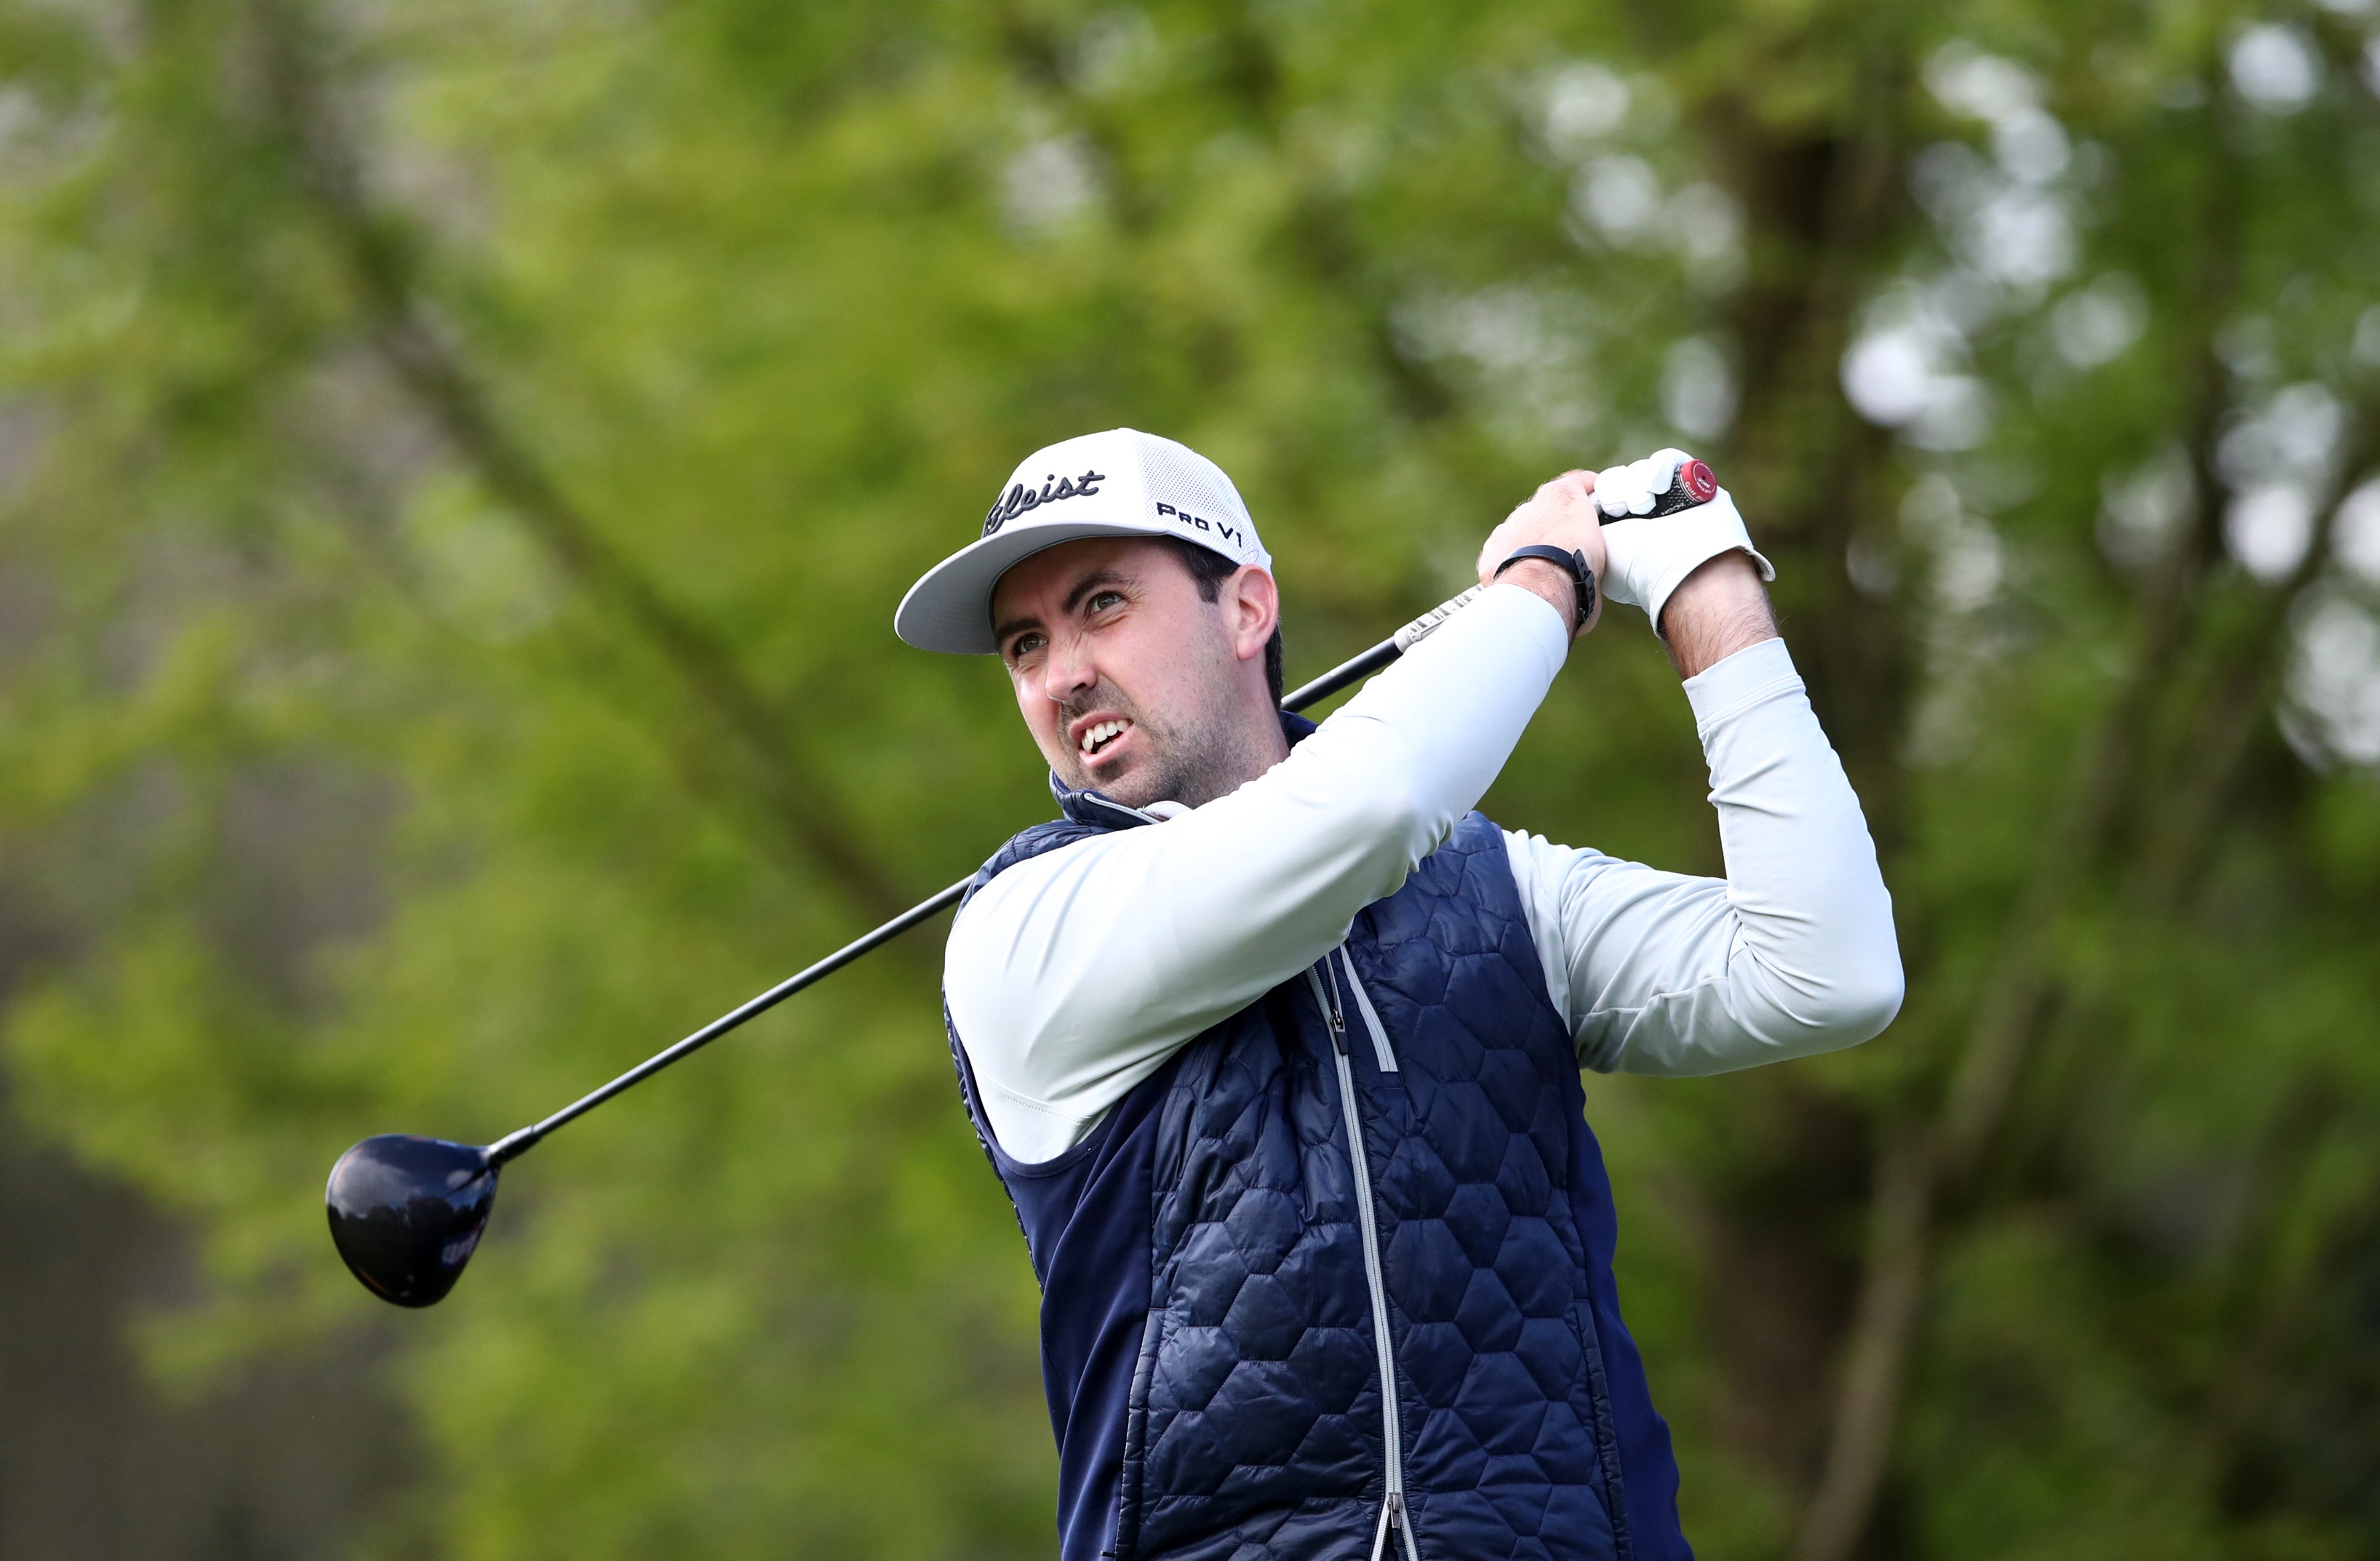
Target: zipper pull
1402, 1520
1392, 1521
1326, 997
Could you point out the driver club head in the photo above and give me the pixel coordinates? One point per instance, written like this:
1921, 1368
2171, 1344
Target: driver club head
407, 1212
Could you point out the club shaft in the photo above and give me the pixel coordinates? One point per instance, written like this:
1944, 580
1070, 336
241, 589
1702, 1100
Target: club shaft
519, 1143
1380, 655
1342, 674
516, 1144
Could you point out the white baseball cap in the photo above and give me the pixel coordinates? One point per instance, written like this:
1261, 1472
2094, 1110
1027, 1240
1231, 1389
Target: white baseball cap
1119, 483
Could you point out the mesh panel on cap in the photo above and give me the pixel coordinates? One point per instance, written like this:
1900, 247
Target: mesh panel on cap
1181, 477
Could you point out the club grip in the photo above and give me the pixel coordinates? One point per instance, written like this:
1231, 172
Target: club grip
1691, 485
1423, 627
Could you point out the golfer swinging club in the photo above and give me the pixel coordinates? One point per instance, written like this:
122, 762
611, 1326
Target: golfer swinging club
1276, 1042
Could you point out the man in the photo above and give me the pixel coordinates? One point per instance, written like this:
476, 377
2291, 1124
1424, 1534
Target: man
1276, 1043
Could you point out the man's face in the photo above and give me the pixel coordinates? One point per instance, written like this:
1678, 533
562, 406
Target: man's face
1128, 680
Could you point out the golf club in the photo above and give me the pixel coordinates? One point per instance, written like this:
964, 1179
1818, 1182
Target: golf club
406, 1212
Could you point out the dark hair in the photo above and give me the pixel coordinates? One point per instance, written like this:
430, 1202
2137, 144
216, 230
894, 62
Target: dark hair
1210, 569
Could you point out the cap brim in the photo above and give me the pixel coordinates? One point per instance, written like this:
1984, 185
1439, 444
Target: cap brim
950, 607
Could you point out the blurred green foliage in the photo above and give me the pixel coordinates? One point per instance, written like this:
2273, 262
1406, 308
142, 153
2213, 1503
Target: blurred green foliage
457, 462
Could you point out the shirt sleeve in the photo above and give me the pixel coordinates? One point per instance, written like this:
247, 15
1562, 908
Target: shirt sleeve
1792, 953
1071, 977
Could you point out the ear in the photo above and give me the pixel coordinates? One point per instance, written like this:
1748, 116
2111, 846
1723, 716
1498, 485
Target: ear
1251, 605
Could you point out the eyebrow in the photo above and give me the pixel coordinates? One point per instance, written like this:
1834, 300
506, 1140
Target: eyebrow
1083, 588
1091, 582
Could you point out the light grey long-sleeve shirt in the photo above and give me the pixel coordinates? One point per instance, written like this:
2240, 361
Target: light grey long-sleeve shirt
1074, 976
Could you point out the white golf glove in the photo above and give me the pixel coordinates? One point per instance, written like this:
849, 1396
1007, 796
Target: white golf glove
1650, 557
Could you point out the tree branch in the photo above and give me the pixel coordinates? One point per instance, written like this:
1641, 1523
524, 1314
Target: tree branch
2219, 741
1875, 1352
384, 272
2102, 792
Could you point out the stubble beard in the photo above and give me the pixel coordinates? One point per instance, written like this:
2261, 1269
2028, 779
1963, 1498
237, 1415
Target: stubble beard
1192, 761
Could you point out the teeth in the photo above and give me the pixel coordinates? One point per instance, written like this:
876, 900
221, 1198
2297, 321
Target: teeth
1099, 735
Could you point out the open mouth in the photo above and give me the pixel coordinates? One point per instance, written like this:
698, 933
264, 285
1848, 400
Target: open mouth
1097, 738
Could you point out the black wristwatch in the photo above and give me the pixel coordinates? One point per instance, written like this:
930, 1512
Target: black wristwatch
1570, 562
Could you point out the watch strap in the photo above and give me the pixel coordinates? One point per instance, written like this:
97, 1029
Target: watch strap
1570, 562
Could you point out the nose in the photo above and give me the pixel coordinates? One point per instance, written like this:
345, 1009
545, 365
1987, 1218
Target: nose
1067, 670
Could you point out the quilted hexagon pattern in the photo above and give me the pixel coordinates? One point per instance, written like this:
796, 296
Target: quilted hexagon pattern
1253, 1425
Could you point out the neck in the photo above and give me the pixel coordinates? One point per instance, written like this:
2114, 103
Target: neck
1242, 750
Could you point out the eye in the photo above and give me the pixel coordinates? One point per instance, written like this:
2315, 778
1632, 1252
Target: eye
1102, 600
1021, 646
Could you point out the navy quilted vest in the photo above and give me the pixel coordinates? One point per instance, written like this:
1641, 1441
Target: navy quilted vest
1209, 1338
